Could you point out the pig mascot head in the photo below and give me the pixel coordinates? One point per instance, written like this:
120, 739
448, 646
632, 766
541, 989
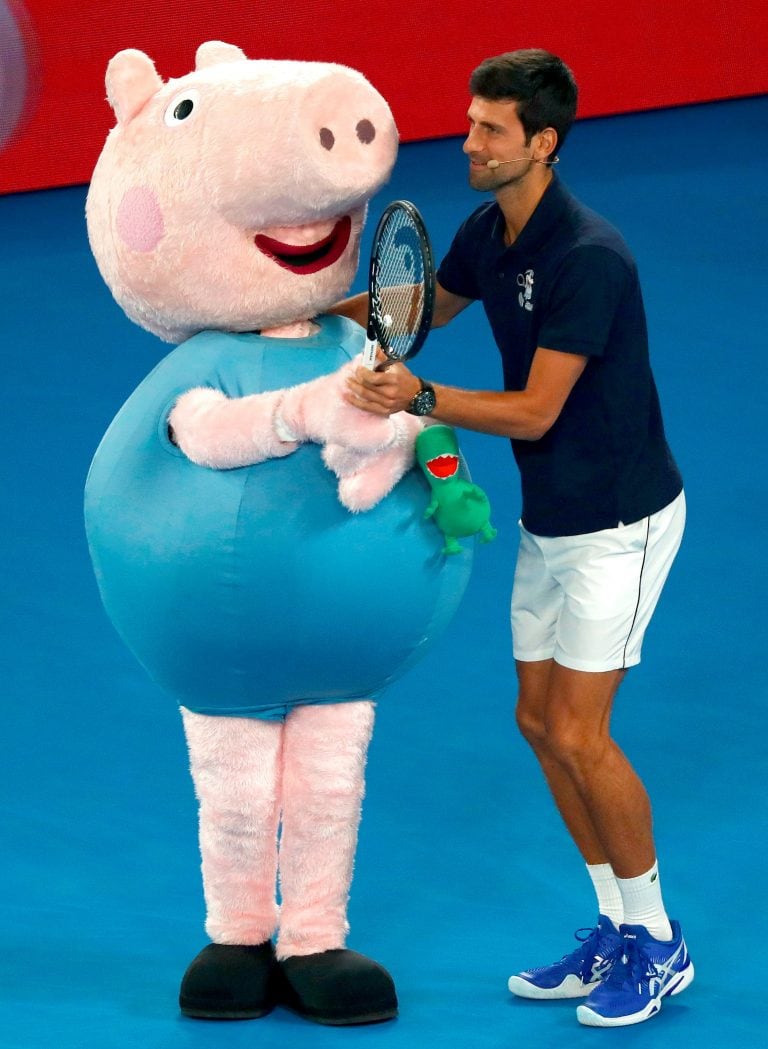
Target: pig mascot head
251, 532
233, 198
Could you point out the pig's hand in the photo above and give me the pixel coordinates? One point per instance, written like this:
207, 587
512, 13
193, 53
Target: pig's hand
220, 432
366, 477
317, 411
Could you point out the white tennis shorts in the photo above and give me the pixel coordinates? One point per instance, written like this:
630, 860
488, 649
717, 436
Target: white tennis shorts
586, 600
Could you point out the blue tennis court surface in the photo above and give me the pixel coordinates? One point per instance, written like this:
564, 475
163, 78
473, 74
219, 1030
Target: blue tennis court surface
464, 873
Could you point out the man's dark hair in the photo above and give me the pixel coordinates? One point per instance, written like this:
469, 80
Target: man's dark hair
541, 83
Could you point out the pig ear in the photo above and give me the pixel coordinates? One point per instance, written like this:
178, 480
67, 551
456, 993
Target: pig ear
212, 52
131, 81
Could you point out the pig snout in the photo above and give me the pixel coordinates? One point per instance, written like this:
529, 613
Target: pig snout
329, 152
348, 134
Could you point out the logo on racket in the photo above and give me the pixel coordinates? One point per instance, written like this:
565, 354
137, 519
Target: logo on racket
406, 242
525, 281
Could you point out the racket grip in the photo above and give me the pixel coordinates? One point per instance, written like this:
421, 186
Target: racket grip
369, 353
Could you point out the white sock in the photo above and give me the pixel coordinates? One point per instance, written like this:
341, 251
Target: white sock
643, 904
609, 901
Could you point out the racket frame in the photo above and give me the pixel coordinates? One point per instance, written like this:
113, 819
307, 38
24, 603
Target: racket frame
376, 331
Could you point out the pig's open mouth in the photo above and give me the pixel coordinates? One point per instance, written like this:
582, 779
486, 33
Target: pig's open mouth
307, 258
443, 466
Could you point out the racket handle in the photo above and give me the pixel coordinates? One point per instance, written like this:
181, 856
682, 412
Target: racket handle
369, 353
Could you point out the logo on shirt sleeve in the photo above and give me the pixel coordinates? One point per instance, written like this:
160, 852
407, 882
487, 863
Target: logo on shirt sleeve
525, 281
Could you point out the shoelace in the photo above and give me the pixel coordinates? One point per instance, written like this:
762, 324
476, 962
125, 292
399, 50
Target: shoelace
633, 967
592, 942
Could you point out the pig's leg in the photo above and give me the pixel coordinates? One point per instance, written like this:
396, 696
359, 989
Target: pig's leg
324, 756
235, 764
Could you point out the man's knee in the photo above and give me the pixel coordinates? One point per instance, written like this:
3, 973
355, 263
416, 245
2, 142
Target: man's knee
575, 745
566, 739
530, 723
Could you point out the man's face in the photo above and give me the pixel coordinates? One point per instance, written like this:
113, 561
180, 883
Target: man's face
495, 133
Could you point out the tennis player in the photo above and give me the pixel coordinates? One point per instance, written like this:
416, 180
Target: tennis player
603, 508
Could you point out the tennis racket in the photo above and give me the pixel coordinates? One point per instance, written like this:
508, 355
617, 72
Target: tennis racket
401, 285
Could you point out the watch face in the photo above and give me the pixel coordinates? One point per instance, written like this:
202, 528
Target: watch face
424, 402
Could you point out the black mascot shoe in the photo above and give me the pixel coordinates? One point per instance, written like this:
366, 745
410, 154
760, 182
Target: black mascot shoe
227, 982
337, 987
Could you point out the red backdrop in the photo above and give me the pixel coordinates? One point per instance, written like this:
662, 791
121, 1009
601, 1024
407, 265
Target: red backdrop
637, 55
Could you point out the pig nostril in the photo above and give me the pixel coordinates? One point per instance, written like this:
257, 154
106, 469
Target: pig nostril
327, 138
366, 132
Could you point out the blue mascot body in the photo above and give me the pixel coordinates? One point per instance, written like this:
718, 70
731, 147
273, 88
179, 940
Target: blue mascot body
248, 591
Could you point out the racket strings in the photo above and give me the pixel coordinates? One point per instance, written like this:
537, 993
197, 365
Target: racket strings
400, 284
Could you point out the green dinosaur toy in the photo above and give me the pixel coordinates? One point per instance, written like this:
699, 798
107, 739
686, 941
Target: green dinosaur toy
458, 507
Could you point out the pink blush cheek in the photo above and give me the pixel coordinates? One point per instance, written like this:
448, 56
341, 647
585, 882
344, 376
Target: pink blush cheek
139, 220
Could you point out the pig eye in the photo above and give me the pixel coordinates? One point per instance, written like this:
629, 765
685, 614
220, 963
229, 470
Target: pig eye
181, 108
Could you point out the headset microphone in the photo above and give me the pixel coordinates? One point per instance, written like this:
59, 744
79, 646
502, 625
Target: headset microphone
493, 164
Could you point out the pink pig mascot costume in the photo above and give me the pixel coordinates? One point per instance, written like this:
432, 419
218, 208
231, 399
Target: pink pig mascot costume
258, 542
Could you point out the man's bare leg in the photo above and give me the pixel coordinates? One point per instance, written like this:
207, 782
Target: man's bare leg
565, 716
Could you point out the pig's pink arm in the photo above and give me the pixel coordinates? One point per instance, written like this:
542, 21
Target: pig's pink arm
220, 432
366, 477
368, 453
318, 411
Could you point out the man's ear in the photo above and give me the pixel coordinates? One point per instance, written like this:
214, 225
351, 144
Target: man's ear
545, 144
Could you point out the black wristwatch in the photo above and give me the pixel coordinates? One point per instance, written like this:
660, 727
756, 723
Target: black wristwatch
425, 401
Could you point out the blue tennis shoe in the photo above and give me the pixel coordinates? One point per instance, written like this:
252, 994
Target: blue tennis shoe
648, 971
579, 972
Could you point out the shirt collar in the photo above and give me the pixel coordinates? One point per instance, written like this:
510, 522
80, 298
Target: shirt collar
545, 218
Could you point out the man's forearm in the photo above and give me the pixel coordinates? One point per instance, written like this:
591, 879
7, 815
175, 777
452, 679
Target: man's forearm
503, 414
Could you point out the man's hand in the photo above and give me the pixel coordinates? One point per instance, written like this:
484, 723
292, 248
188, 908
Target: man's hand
382, 392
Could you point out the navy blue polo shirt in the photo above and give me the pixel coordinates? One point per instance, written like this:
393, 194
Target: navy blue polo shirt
569, 283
